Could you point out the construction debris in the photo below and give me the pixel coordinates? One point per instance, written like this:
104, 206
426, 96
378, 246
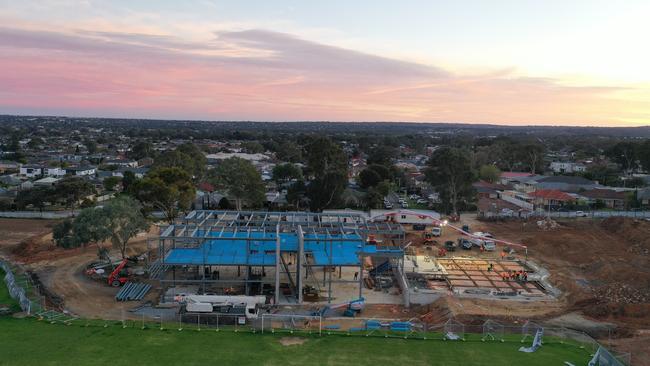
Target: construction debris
548, 224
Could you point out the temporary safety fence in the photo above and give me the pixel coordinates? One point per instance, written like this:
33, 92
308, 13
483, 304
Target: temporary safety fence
21, 289
309, 325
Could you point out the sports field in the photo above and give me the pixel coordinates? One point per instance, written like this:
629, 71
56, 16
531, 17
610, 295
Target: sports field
32, 342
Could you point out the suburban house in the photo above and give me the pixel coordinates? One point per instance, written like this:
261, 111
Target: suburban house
81, 170
545, 199
46, 182
31, 171
565, 183
609, 198
496, 207
6, 165
488, 190
513, 177
567, 167
138, 172
55, 172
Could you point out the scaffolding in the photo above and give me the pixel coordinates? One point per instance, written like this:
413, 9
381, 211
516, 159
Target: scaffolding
291, 244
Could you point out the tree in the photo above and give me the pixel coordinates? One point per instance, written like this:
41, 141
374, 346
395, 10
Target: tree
61, 234
369, 178
533, 156
297, 193
384, 172
382, 155
124, 220
252, 147
373, 198
623, 153
90, 226
187, 157
36, 197
91, 146
167, 189
643, 154
289, 151
141, 149
329, 167
240, 179
128, 180
286, 172
110, 183
489, 173
449, 171
72, 189
384, 188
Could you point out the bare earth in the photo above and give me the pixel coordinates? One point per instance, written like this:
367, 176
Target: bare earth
602, 268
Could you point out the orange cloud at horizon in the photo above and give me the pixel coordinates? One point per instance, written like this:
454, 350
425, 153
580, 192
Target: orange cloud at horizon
263, 75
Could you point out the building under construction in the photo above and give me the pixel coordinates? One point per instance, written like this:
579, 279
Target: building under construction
288, 256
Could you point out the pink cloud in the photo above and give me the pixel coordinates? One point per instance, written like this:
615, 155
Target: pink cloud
262, 75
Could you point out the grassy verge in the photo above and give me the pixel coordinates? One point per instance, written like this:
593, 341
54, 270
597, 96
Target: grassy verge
31, 342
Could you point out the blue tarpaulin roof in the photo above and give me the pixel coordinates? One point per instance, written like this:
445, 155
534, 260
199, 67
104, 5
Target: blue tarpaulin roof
237, 250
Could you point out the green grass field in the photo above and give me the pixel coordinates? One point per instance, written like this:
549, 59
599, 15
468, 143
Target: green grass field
32, 342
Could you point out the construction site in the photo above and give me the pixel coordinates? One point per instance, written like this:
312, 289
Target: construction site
253, 265
298, 258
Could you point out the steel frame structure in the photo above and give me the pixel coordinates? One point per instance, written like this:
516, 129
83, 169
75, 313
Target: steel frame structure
202, 226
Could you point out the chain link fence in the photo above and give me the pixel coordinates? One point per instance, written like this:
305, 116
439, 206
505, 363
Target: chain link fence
21, 289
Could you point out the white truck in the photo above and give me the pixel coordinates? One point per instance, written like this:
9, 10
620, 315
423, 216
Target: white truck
248, 305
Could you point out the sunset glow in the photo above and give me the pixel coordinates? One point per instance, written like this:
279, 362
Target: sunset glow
516, 62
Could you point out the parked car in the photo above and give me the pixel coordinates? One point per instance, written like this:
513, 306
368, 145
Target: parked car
450, 246
489, 245
581, 214
464, 244
421, 201
476, 242
436, 231
388, 206
405, 205
483, 235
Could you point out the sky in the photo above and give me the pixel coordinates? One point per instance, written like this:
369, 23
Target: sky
515, 62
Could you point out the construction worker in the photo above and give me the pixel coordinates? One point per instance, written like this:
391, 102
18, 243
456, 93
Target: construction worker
503, 255
525, 276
